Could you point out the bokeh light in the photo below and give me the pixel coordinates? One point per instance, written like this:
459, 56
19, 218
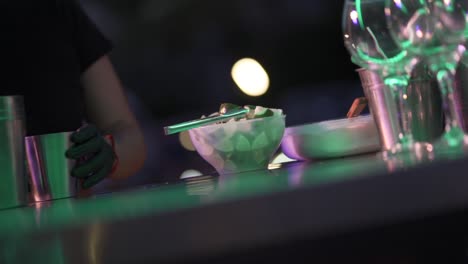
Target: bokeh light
185, 141
250, 77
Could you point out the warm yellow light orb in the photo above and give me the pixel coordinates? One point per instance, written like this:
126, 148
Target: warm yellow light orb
185, 141
250, 77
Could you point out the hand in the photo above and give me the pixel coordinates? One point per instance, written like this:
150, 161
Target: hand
95, 157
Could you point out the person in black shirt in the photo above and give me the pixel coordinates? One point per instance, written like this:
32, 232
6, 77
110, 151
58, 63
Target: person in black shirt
56, 58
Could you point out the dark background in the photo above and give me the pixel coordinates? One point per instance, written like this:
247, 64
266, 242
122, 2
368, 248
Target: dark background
174, 57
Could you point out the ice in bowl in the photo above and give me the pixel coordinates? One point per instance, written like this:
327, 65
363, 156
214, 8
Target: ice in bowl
241, 144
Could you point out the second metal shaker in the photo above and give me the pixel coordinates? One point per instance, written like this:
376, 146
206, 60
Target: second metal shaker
49, 169
13, 184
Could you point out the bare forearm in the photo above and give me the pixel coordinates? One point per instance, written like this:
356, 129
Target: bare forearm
129, 147
107, 108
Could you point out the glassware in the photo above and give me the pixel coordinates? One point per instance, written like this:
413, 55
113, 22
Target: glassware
433, 30
368, 40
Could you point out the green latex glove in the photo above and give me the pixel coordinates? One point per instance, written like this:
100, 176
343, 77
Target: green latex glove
94, 155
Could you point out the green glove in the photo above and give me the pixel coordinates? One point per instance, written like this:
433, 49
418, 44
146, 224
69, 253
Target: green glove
94, 155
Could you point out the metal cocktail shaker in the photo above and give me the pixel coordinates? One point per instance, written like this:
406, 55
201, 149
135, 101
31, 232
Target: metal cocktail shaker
382, 107
426, 114
48, 168
13, 184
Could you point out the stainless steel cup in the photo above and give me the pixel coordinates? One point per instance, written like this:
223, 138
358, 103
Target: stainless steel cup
426, 115
49, 169
13, 184
382, 107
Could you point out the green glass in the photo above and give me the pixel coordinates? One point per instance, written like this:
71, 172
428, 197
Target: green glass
434, 31
368, 40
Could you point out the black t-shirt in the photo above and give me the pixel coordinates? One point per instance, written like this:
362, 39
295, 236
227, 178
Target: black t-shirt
45, 47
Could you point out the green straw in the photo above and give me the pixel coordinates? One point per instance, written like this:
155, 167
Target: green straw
204, 121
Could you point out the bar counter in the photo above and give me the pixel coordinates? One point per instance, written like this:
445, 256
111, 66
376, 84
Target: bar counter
364, 209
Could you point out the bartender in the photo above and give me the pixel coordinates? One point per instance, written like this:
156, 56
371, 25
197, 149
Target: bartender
55, 57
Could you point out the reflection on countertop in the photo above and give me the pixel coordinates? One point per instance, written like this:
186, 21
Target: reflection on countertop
202, 190
93, 214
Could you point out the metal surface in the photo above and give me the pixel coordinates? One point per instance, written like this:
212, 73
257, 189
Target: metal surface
11, 107
49, 169
13, 184
249, 210
425, 103
382, 108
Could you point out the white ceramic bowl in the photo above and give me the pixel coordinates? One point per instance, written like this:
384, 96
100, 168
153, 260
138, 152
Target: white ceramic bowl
241, 145
331, 139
